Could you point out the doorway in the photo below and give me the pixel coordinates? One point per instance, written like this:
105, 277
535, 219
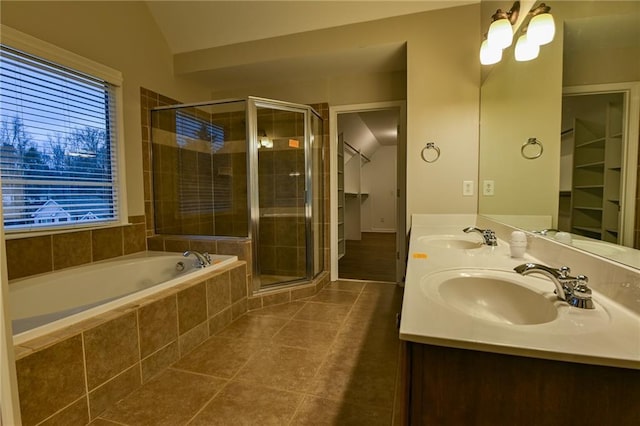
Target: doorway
368, 196
598, 162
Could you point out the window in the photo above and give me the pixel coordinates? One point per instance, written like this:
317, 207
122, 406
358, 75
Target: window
58, 145
199, 193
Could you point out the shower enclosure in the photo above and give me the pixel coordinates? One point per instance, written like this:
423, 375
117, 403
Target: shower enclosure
244, 168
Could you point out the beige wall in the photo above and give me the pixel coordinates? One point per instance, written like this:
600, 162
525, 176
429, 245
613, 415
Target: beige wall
342, 90
521, 100
121, 35
442, 80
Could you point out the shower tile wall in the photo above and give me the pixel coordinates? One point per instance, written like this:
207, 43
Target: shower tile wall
281, 193
199, 186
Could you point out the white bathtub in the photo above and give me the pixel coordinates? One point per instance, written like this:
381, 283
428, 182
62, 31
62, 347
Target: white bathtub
48, 302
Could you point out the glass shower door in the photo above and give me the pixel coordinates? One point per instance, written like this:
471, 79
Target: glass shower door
279, 224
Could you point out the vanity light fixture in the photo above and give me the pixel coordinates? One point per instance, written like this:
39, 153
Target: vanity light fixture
526, 50
264, 141
489, 55
500, 33
541, 29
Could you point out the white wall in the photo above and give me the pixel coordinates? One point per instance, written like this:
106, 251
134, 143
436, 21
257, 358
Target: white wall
378, 210
123, 36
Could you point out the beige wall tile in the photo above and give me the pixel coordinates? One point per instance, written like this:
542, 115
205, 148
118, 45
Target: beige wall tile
238, 309
192, 307
238, 280
276, 298
302, 293
134, 238
50, 379
155, 243
111, 348
176, 245
158, 322
254, 303
137, 219
75, 414
218, 322
20, 254
106, 243
159, 361
192, 338
234, 247
114, 390
218, 293
204, 246
71, 249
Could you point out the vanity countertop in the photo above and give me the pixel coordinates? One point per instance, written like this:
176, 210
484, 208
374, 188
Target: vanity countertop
607, 335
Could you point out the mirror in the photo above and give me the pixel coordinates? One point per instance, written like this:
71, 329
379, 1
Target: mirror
597, 44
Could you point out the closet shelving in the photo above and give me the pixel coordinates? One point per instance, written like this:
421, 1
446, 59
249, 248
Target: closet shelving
341, 198
597, 168
353, 195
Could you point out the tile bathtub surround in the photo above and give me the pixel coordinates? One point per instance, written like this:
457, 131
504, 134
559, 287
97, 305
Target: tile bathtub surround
73, 248
112, 355
260, 370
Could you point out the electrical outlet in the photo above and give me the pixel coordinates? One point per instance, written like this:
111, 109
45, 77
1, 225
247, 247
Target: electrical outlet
467, 188
488, 187
382, 219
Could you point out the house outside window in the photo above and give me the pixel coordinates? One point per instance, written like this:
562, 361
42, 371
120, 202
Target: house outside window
60, 138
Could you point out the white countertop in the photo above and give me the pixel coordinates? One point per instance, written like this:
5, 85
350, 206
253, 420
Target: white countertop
608, 335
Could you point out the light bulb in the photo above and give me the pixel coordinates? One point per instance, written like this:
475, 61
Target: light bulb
525, 50
500, 34
541, 29
489, 55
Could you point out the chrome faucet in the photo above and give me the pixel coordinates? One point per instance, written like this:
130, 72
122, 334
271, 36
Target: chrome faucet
488, 236
544, 232
202, 259
573, 290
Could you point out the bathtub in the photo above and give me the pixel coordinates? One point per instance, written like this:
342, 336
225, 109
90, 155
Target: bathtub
49, 302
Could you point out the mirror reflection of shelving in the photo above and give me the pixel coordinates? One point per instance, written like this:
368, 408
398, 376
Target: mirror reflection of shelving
596, 136
341, 198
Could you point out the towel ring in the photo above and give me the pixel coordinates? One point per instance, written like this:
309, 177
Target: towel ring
531, 141
430, 145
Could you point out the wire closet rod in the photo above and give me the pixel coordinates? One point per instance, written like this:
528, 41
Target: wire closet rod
347, 144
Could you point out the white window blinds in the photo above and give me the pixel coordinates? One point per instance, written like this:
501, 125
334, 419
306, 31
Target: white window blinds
57, 145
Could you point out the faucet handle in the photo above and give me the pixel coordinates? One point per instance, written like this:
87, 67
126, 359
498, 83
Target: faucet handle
207, 256
581, 294
564, 271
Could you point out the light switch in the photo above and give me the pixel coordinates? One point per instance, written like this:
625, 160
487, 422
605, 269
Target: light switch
467, 188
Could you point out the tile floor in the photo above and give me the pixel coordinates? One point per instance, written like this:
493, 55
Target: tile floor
332, 359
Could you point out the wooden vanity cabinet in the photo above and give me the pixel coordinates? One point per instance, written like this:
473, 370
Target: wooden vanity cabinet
448, 386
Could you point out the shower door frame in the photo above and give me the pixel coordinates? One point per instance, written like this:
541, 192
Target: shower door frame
253, 103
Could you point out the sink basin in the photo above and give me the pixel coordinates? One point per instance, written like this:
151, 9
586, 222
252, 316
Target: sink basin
493, 295
450, 242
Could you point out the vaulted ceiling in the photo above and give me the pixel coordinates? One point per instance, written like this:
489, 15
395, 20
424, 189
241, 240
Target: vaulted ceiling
193, 25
